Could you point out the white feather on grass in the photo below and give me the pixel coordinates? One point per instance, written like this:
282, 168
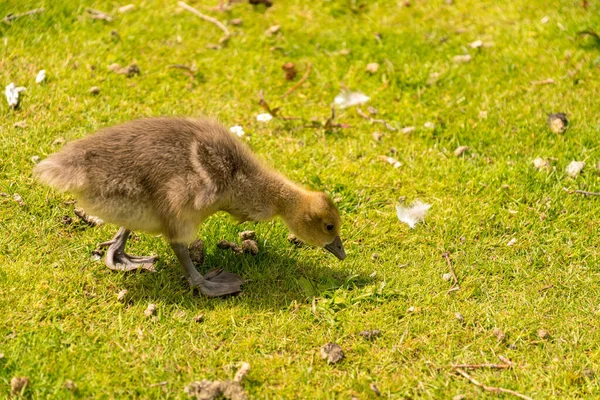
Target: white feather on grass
413, 214
348, 99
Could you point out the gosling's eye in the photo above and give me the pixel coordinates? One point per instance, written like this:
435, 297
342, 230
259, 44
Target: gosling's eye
329, 227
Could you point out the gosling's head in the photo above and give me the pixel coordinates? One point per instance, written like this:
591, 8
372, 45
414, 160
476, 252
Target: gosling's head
315, 220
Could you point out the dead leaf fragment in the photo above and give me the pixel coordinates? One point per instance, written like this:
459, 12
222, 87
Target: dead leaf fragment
18, 384
476, 44
543, 334
391, 160
574, 168
408, 129
97, 14
58, 141
122, 294
20, 124
500, 335
460, 150
548, 81
511, 242
70, 385
459, 316
150, 311
199, 318
242, 372
125, 9
236, 22
377, 136
332, 352
462, 59
94, 90
372, 68
272, 30
17, 197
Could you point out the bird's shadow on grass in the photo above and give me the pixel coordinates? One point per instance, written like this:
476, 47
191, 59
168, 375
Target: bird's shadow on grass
275, 279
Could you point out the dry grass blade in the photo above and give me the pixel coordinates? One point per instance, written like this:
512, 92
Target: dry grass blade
455, 286
11, 17
300, 82
491, 389
375, 121
212, 20
478, 366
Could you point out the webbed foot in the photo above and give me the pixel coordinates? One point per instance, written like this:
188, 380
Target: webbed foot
116, 258
217, 283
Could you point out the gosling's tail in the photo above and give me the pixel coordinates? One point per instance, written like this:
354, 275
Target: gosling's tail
61, 172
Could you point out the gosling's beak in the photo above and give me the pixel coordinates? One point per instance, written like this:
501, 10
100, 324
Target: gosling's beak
336, 248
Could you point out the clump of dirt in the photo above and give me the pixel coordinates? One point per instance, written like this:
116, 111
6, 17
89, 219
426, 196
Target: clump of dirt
332, 352
211, 390
18, 384
250, 247
370, 334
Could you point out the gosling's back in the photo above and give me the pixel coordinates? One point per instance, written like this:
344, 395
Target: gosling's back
148, 171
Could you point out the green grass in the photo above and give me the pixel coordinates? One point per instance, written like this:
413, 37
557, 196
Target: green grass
59, 315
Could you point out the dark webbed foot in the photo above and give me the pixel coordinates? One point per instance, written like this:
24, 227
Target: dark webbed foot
116, 258
215, 283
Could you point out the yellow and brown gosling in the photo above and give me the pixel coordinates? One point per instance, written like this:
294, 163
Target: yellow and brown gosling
167, 175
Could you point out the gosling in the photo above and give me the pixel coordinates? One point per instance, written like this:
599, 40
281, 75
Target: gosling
167, 175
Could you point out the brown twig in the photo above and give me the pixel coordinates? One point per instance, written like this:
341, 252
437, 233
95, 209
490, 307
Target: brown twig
212, 20
545, 288
273, 111
191, 72
585, 192
11, 17
477, 366
455, 286
373, 120
97, 14
300, 82
492, 389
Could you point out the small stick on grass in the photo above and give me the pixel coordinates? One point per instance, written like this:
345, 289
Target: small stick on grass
191, 72
491, 389
375, 121
545, 288
212, 20
455, 286
584, 192
477, 366
11, 17
300, 82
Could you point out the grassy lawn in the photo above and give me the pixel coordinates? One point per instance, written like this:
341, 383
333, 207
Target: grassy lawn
59, 314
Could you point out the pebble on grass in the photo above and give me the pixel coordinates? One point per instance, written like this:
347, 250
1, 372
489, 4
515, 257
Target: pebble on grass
18, 384
574, 168
150, 311
245, 235
557, 122
121, 295
459, 317
447, 277
372, 68
250, 247
543, 334
95, 90
332, 352
70, 385
499, 333
370, 333
539, 163
460, 150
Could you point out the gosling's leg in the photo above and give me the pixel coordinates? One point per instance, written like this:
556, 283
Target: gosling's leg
214, 284
116, 258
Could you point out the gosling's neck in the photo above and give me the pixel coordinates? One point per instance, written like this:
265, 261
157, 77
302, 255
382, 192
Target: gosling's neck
263, 196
